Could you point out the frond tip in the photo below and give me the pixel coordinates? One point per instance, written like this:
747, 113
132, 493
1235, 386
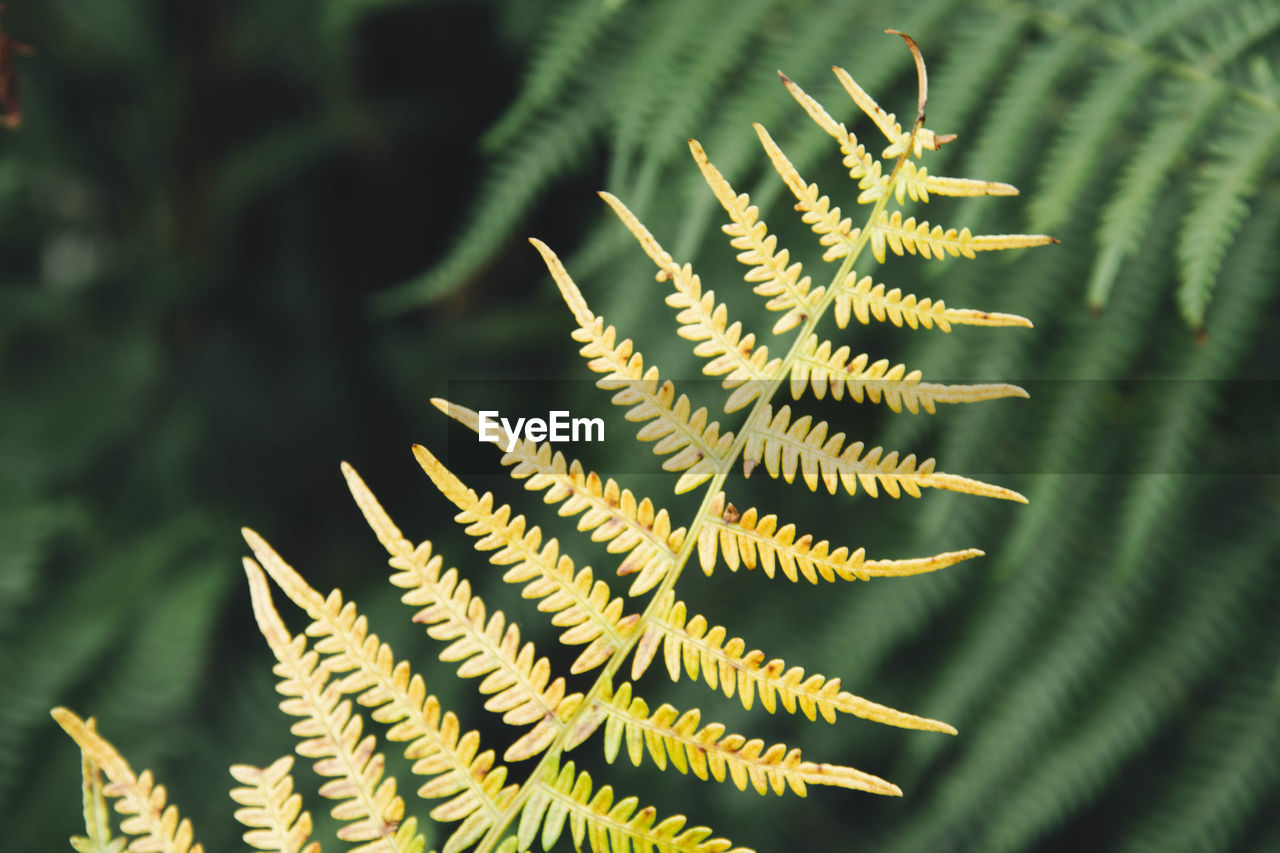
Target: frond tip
97, 817
458, 770
333, 735
694, 443
156, 825
517, 681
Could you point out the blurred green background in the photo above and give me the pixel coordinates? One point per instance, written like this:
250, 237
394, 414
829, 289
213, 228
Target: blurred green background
242, 241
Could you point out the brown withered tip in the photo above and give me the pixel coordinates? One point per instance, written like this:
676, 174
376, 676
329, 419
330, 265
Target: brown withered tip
1202, 336
785, 78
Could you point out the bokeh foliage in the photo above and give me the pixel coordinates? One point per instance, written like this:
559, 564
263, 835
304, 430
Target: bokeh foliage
242, 241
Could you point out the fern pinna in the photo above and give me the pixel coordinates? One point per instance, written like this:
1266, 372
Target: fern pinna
338, 664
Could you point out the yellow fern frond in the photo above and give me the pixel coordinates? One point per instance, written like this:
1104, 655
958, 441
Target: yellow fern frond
271, 810
690, 645
398, 698
834, 231
933, 241
606, 826
916, 183
899, 140
613, 515
517, 681
778, 278
157, 826
708, 752
333, 736
784, 446
817, 366
733, 355
582, 605
97, 817
863, 298
750, 540
699, 449
861, 165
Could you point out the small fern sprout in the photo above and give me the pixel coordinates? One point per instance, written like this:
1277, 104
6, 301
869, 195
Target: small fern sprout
512, 796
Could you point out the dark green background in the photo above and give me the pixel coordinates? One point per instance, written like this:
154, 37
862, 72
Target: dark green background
242, 241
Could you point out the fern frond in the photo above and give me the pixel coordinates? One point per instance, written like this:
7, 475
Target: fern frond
745, 366
97, 817
606, 826
1250, 139
916, 183
835, 232
783, 446
863, 298
709, 752
862, 166
903, 236
512, 188
271, 810
517, 681
612, 514
1182, 112
157, 826
398, 699
566, 40
817, 366
1073, 162
688, 644
1232, 761
583, 606
914, 142
1006, 137
700, 449
1222, 37
778, 278
750, 540
332, 732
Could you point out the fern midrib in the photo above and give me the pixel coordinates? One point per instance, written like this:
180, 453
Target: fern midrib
556, 747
